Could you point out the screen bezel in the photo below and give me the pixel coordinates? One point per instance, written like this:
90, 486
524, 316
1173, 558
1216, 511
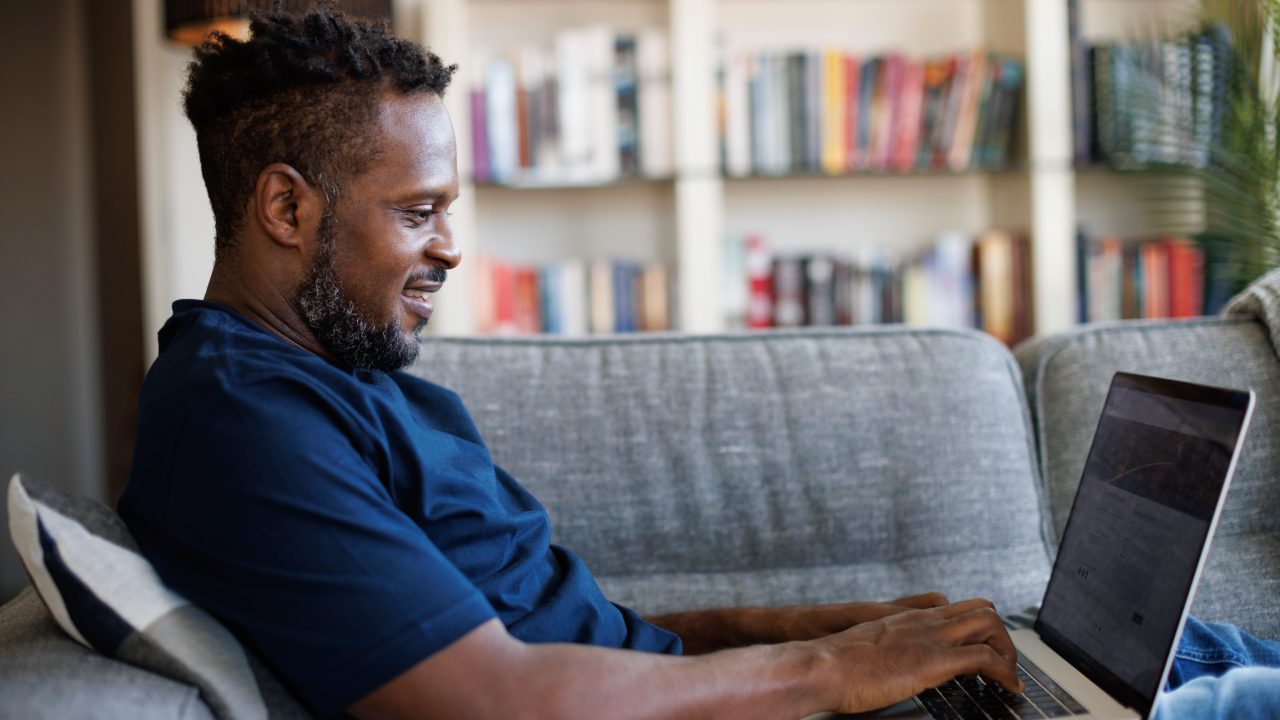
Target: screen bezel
1082, 661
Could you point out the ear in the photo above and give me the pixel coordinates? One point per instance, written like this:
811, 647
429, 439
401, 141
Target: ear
285, 205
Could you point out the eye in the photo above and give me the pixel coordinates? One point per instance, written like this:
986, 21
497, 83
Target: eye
425, 215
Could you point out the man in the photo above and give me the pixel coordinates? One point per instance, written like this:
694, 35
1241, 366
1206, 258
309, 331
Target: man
344, 519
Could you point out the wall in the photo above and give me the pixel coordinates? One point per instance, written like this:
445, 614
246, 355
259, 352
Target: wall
176, 221
49, 387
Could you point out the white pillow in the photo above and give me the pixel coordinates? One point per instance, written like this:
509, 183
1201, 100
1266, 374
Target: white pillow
95, 582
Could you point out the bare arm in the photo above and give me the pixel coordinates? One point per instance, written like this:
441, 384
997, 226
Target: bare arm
489, 674
704, 631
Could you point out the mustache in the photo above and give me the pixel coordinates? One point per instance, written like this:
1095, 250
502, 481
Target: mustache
434, 274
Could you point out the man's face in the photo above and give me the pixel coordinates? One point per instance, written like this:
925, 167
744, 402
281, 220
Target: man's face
387, 241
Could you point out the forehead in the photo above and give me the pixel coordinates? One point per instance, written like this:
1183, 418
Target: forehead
418, 147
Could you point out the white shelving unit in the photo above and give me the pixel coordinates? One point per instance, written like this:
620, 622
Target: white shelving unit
684, 221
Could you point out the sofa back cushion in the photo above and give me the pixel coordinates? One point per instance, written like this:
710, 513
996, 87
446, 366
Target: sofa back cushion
1067, 378
770, 468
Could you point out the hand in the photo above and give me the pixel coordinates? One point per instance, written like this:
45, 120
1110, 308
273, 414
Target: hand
810, 622
890, 659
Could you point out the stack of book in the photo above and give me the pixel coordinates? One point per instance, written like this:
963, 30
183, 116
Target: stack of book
1159, 102
958, 281
835, 113
1147, 279
592, 109
573, 297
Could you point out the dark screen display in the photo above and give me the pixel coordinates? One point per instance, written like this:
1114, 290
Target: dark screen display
1140, 520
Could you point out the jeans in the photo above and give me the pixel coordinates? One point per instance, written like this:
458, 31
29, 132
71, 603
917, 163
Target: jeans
1222, 672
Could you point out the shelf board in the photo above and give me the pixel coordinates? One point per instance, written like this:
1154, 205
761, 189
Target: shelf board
1011, 169
525, 185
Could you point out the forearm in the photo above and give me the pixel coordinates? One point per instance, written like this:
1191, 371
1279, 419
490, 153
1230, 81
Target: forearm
777, 681
704, 631
497, 676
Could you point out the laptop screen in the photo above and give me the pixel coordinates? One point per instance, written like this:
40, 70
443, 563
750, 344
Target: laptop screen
1142, 515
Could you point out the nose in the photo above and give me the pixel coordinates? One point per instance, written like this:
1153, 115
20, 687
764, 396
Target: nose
442, 247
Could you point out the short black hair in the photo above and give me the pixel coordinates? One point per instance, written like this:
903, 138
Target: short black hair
305, 90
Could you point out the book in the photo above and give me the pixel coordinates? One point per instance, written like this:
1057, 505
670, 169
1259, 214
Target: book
813, 111
504, 298
835, 113
885, 102
598, 57
843, 293
910, 118
853, 85
1186, 278
573, 298
653, 64
526, 310
602, 315
1155, 280
976, 80
626, 86
996, 283
819, 290
788, 292
937, 74
797, 138
503, 124
571, 103
866, 112
626, 291
479, 138
1081, 87
737, 115
655, 314
759, 277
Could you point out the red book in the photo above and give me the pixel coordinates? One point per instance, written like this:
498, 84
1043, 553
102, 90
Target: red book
527, 317
1186, 278
1155, 281
759, 284
885, 114
504, 298
853, 86
909, 117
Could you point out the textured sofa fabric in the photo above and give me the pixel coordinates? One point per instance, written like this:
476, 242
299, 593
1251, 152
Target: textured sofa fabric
1067, 376
44, 674
812, 466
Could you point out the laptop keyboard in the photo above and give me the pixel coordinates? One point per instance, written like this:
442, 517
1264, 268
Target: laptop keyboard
966, 699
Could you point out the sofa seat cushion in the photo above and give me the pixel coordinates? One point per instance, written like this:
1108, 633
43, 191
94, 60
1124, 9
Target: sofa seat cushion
1067, 377
44, 674
768, 468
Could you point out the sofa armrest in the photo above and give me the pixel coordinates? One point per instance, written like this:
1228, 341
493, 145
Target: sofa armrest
1067, 376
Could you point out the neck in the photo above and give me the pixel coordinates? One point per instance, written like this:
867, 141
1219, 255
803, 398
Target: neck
266, 303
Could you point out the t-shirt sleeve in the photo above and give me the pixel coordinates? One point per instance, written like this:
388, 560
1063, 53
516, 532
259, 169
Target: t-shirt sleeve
274, 519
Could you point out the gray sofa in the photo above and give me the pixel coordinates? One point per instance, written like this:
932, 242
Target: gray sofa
790, 467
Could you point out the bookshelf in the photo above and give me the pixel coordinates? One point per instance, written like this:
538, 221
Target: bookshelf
1109, 201
684, 221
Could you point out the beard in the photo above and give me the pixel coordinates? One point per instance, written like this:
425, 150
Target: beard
340, 325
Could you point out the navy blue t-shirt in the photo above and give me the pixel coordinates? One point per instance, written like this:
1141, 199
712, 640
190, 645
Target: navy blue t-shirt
345, 523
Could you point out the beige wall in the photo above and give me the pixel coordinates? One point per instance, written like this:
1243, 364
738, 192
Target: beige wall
49, 412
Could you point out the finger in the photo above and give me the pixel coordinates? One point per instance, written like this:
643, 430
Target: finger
921, 602
964, 606
985, 660
981, 626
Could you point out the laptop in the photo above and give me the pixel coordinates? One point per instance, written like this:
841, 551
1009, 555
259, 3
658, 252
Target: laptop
1131, 554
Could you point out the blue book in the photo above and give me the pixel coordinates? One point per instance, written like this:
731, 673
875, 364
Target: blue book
549, 299
624, 295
